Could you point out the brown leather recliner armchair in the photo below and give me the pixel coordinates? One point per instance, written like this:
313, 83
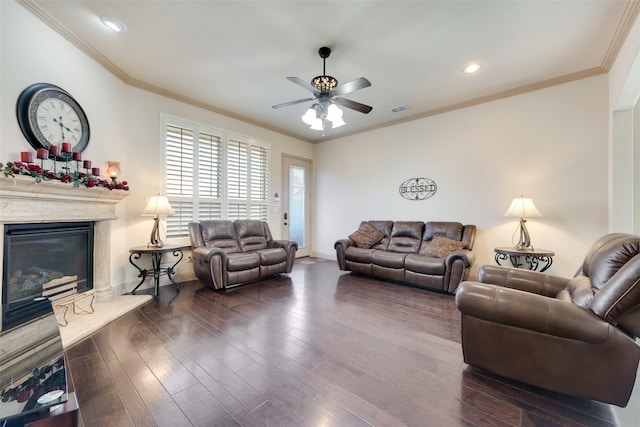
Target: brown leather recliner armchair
573, 336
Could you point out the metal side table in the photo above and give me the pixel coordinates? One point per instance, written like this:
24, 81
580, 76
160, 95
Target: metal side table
156, 261
525, 258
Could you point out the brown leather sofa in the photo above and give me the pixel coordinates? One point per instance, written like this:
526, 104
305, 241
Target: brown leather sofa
574, 336
228, 253
432, 255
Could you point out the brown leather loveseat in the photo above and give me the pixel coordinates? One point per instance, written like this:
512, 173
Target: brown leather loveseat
432, 255
573, 336
227, 253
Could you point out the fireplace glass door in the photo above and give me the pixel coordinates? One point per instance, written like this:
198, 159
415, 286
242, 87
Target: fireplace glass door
36, 254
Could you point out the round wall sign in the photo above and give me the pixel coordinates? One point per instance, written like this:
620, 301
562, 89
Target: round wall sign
418, 188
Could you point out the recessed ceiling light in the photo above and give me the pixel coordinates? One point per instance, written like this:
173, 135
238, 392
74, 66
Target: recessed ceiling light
114, 24
472, 68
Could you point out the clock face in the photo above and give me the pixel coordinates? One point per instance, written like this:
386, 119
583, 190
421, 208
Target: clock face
53, 119
48, 115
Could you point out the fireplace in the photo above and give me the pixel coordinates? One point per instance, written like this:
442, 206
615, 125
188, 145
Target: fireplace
38, 254
23, 201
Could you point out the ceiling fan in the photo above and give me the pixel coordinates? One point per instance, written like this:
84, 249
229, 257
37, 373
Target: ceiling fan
327, 96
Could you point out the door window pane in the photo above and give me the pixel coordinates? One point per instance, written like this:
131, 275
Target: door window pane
296, 205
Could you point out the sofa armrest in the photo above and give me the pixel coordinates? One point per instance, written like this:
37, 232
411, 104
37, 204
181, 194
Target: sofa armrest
290, 247
524, 280
210, 266
520, 309
204, 252
465, 255
341, 247
457, 267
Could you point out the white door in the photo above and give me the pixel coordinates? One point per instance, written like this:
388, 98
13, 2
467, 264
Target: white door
296, 202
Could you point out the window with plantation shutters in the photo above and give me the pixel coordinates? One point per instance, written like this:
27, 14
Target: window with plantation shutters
209, 177
179, 146
213, 175
258, 182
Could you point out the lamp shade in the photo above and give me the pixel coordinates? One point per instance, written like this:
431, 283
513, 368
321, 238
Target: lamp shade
522, 207
309, 117
158, 205
334, 114
317, 125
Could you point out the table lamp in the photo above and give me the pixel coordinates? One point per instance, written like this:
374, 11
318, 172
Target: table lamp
158, 205
523, 208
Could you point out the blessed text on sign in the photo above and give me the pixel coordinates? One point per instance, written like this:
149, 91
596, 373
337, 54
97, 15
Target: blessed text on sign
418, 188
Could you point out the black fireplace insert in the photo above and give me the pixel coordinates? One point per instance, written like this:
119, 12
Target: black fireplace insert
37, 254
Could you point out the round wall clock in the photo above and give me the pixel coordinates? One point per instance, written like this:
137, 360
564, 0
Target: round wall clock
48, 115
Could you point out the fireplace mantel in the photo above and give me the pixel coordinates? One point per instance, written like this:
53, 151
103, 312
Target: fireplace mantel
22, 200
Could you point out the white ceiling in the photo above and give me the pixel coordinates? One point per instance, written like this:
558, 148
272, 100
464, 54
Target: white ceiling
232, 57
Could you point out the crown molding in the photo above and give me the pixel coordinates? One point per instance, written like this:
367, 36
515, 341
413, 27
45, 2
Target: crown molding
630, 14
631, 11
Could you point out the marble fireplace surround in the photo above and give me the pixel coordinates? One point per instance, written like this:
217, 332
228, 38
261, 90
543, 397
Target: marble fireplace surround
22, 200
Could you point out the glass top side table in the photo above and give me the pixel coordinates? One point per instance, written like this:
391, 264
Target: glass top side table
533, 259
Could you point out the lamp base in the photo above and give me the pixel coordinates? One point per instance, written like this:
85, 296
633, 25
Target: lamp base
525, 241
155, 240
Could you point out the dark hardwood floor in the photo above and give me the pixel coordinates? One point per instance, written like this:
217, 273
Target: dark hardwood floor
319, 347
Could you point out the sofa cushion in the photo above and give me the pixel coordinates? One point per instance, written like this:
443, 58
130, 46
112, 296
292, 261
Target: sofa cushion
366, 236
272, 256
359, 255
388, 259
251, 234
242, 261
424, 264
441, 246
452, 230
578, 291
220, 234
406, 236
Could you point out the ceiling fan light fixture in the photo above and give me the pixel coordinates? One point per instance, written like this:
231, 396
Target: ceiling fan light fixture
324, 113
324, 83
338, 123
334, 115
317, 124
309, 117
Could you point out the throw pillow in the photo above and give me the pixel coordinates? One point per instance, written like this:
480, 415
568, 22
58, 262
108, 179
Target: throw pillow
366, 236
441, 246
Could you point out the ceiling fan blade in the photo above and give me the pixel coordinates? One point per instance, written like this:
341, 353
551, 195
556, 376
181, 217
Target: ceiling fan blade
300, 82
347, 103
352, 86
286, 104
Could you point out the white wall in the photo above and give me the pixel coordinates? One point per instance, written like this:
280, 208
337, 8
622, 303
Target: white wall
635, 212
622, 153
550, 145
125, 124
624, 91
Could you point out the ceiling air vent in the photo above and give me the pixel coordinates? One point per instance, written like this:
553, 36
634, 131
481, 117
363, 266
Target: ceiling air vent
400, 108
